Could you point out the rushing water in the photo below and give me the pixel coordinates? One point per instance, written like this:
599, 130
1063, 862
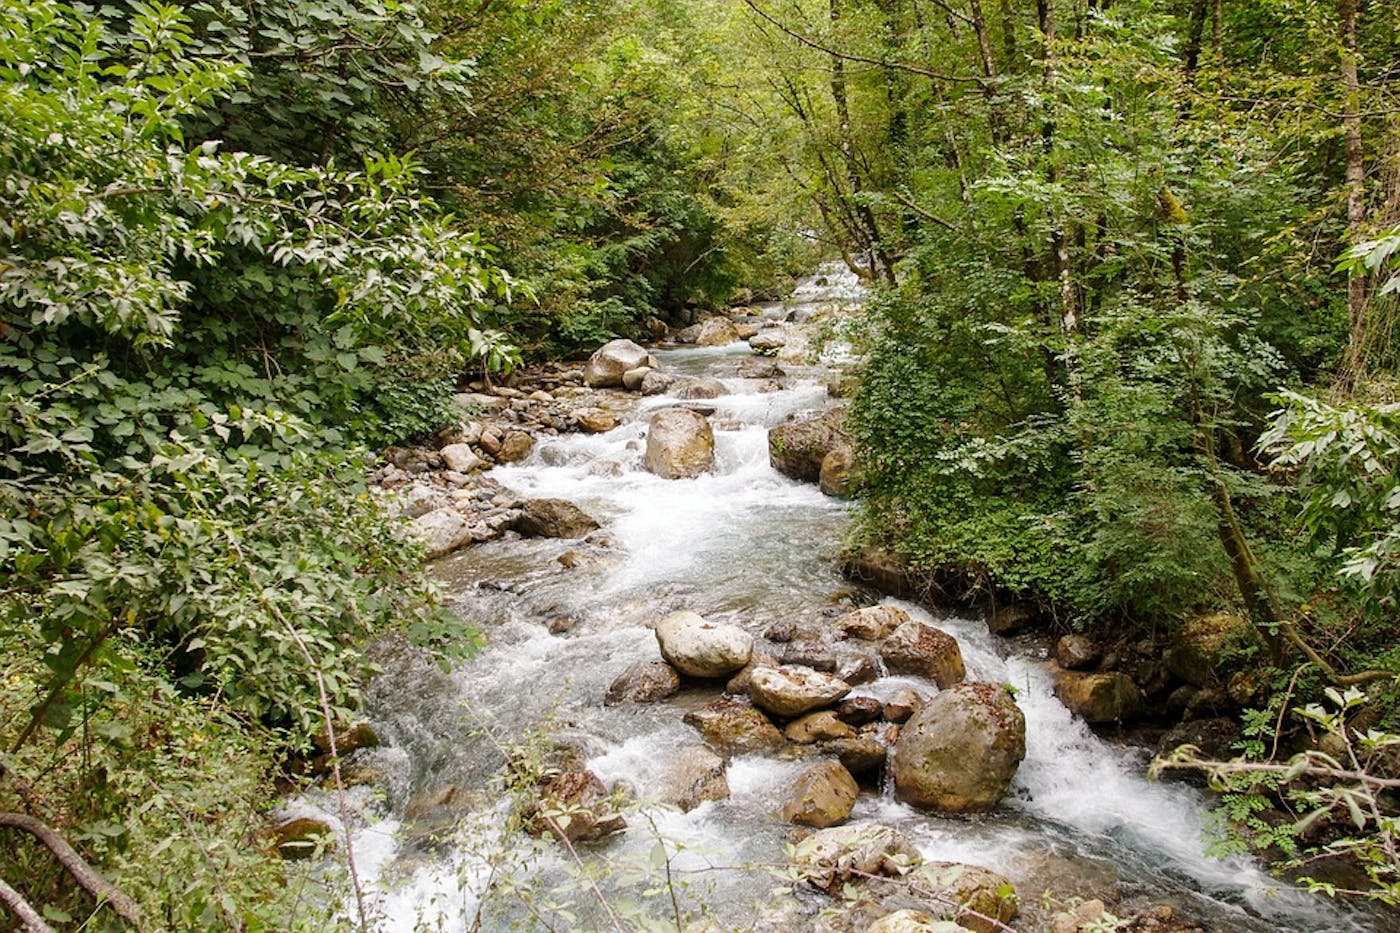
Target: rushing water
748, 546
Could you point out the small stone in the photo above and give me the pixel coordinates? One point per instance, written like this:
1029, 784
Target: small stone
461, 458
515, 446
816, 727
872, 623
822, 796
595, 420
902, 705
1076, 652
857, 711
643, 682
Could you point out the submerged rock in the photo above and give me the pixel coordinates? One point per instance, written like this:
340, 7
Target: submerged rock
554, 518
680, 444
694, 775
734, 726
960, 751
574, 805
643, 682
700, 648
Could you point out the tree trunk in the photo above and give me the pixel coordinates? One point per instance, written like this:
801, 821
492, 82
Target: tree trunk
879, 259
1358, 294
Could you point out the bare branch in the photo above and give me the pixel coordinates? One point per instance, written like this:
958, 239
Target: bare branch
845, 56
23, 910
77, 866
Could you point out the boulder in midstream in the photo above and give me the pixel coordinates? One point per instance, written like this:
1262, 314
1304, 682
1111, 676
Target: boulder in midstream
701, 648
790, 691
680, 444
959, 752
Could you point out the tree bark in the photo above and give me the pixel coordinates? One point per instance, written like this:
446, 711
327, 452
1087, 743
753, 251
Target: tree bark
1358, 293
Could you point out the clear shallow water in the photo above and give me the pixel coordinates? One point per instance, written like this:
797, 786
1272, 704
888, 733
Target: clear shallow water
748, 546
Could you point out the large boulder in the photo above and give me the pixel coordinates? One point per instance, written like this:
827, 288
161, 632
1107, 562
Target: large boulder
1198, 652
835, 477
700, 648
734, 726
872, 623
922, 650
693, 775
1099, 698
573, 806
553, 518
790, 691
442, 531
822, 796
609, 362
680, 444
643, 682
797, 448
716, 332
959, 752
830, 857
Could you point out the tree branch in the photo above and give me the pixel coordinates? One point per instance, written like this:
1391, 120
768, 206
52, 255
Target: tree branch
845, 56
82, 872
23, 910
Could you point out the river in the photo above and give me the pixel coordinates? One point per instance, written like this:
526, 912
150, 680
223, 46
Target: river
748, 546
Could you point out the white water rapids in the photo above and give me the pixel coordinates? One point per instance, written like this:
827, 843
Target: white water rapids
749, 546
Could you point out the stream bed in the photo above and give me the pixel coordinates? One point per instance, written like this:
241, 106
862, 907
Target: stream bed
748, 546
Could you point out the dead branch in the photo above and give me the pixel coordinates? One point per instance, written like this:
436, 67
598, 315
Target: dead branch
82, 872
23, 910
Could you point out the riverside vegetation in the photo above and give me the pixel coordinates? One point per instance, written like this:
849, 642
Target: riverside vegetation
1130, 360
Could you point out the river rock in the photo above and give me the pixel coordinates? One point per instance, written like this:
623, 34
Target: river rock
680, 444
816, 727
490, 441
822, 796
1197, 650
1077, 652
797, 448
461, 458
656, 383
834, 478
830, 857
1012, 619
790, 691
922, 650
301, 838
687, 334
716, 332
959, 752
975, 898
347, 739
643, 682
767, 343
753, 367
553, 518
697, 389
574, 806
860, 754
607, 365
912, 921
860, 669
884, 570
700, 648
858, 711
442, 531
632, 379
595, 420
1099, 698
733, 725
422, 499
694, 774
871, 623
515, 446
903, 705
